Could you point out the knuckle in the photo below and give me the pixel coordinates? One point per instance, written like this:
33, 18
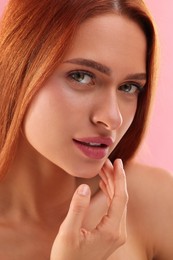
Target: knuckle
78, 208
123, 198
79, 205
115, 238
126, 196
69, 239
111, 236
122, 240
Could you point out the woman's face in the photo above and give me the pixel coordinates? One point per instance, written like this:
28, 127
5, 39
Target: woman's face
86, 106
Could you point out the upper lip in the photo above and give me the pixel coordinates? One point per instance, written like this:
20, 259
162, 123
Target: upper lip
97, 140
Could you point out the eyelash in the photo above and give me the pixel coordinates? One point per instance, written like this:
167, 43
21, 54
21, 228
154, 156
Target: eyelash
139, 88
71, 75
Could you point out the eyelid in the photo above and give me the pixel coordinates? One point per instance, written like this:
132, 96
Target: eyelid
138, 88
138, 85
88, 73
78, 84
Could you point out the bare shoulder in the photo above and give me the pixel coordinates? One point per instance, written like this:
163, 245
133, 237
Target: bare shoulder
151, 179
151, 206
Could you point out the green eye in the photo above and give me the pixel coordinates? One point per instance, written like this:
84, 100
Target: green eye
81, 77
131, 88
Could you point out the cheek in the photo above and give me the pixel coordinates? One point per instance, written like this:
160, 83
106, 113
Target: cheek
128, 112
55, 110
45, 117
51, 105
129, 116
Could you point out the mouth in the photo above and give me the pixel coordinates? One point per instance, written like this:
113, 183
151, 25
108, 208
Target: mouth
91, 144
93, 148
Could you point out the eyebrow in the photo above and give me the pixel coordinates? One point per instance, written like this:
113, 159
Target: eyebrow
92, 64
136, 76
104, 69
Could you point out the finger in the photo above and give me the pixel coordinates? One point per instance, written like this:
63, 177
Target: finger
108, 185
106, 175
124, 226
75, 216
103, 176
105, 184
111, 231
119, 201
111, 223
108, 171
104, 189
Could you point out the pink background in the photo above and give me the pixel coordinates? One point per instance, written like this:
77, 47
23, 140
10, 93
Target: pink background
157, 148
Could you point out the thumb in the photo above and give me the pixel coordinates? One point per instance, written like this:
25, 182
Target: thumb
78, 207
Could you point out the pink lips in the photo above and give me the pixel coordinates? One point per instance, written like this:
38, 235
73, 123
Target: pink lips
94, 147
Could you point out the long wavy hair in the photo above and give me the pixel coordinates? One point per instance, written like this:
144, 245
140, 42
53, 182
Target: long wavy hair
34, 37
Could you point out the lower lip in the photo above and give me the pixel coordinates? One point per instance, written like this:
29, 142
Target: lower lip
92, 152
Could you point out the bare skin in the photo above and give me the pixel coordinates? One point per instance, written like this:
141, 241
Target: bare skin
36, 193
32, 221
28, 231
150, 210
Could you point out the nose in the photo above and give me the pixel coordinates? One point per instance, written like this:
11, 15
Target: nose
107, 112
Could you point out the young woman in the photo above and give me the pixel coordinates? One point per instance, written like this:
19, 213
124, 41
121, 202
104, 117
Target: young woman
76, 82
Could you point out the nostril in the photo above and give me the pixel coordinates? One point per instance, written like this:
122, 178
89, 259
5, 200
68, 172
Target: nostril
109, 121
107, 113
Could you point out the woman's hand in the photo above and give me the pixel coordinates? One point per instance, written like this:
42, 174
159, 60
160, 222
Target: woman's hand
76, 243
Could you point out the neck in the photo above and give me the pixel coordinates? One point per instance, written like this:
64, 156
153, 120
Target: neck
35, 188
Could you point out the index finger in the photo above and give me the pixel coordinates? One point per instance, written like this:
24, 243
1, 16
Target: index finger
111, 223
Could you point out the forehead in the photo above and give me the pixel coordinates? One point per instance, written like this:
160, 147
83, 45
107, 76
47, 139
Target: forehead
111, 39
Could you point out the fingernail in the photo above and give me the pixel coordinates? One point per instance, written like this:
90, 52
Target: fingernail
120, 163
83, 190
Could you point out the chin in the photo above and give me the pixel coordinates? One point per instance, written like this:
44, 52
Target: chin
86, 173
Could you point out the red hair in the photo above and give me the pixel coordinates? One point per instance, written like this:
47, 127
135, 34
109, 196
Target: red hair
35, 36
